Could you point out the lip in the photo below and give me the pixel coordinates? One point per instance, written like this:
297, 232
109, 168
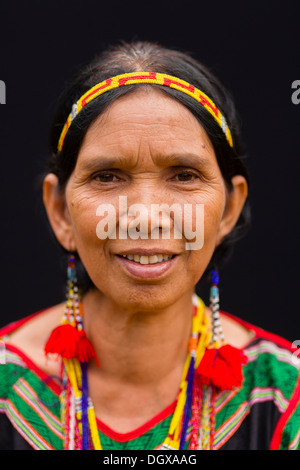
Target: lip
146, 271
146, 252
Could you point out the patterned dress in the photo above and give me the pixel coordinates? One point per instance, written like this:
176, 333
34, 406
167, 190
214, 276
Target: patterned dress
264, 414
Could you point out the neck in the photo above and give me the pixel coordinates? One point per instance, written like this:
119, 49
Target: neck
141, 354
138, 345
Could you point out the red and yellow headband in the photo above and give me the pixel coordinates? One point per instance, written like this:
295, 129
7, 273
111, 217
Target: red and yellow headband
146, 77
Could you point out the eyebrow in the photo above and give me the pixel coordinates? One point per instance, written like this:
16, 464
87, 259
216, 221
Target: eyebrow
183, 159
180, 159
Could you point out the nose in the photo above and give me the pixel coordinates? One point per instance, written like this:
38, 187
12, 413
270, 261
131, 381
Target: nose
149, 220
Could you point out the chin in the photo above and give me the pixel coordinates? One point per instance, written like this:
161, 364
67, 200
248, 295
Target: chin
150, 297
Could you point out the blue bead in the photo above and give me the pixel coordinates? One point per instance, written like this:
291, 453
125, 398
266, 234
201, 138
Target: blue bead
214, 291
215, 277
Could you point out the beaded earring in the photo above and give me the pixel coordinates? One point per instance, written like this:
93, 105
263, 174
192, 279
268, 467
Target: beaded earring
221, 365
69, 339
71, 343
217, 332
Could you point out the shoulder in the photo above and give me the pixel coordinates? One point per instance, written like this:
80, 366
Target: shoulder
27, 338
272, 369
12, 367
21, 379
268, 403
271, 359
29, 396
21, 353
273, 374
260, 341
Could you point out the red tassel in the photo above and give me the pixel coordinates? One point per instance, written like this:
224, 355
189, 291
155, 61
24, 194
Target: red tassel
222, 367
63, 341
68, 342
85, 350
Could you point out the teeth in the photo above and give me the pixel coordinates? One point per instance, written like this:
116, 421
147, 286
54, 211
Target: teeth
148, 259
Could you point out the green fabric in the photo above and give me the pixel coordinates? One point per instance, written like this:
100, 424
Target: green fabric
290, 436
149, 440
31, 405
270, 375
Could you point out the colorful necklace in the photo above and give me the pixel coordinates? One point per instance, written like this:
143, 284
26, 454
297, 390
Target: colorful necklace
203, 372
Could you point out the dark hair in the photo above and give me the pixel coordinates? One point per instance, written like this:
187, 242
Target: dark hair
139, 57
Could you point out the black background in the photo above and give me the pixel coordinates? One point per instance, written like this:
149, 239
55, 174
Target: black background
254, 47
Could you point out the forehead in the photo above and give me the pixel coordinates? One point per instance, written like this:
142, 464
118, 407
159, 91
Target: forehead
149, 119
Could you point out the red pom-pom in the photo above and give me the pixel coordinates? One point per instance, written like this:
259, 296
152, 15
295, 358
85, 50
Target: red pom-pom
63, 341
222, 367
68, 342
85, 350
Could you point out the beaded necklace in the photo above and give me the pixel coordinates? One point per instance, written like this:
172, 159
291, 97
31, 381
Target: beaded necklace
78, 413
207, 366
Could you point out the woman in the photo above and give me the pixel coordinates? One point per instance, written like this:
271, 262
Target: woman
146, 193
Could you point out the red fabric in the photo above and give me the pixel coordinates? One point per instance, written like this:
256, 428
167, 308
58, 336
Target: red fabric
130, 435
277, 435
6, 330
261, 333
32, 366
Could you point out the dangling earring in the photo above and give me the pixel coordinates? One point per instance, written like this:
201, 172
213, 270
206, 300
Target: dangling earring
217, 332
221, 365
69, 339
71, 343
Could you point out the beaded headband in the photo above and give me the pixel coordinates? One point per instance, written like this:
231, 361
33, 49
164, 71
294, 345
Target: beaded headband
146, 77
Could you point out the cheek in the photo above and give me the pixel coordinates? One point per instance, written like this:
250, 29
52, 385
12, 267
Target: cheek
205, 215
83, 211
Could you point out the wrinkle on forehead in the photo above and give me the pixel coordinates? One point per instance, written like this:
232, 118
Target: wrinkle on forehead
145, 123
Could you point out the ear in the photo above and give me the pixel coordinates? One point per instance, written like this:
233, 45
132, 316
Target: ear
58, 213
236, 199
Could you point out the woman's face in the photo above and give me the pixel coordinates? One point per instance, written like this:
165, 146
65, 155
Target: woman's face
150, 150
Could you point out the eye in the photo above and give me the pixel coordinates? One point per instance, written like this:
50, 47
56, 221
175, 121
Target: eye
186, 176
105, 177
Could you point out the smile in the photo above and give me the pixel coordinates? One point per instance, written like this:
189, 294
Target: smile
145, 265
143, 259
